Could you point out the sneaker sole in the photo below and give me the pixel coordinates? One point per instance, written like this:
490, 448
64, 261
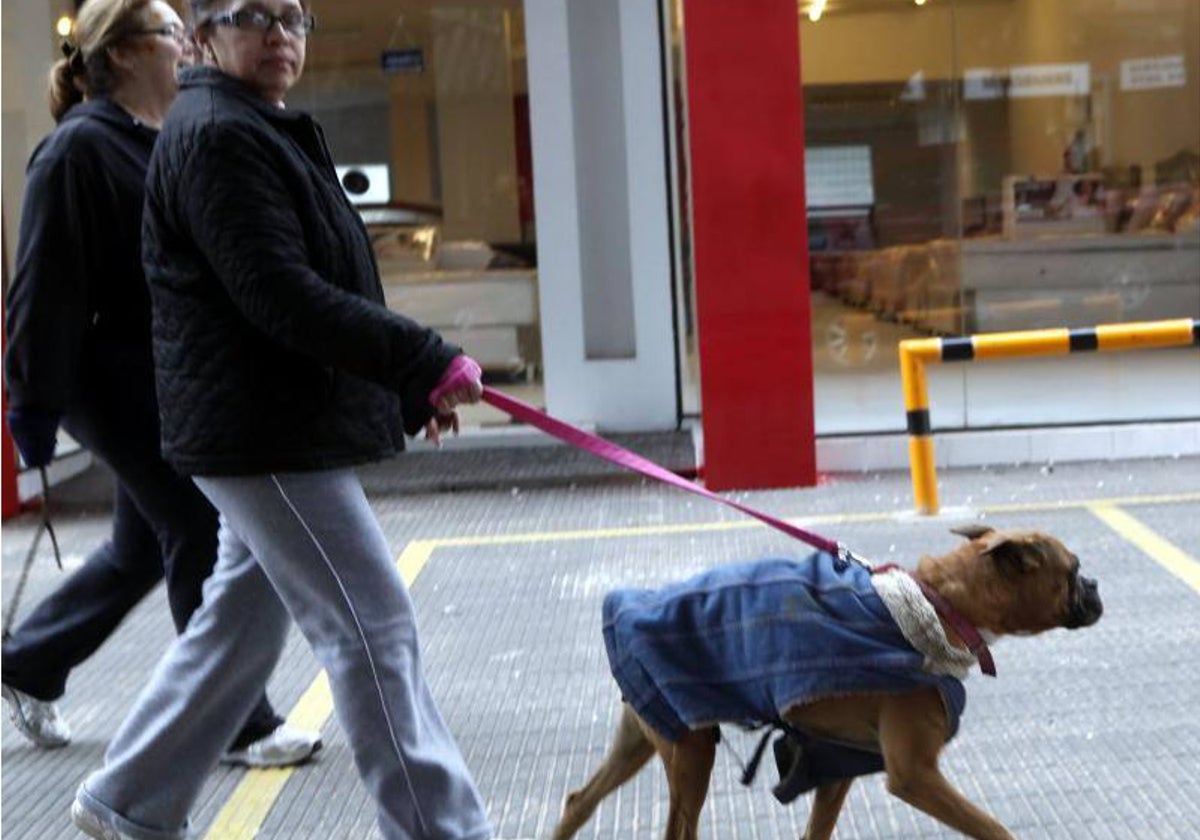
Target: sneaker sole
232, 760
91, 825
17, 716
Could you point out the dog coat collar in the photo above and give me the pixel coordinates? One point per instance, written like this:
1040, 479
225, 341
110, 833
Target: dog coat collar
918, 621
895, 586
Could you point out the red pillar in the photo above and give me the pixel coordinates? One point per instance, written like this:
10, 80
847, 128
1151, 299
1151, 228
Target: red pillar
750, 242
10, 503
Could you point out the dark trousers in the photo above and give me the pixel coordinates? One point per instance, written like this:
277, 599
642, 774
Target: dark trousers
163, 527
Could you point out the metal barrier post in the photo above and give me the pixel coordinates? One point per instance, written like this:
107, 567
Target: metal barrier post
915, 353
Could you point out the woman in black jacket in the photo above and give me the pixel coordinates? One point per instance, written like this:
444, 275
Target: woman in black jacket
79, 354
279, 369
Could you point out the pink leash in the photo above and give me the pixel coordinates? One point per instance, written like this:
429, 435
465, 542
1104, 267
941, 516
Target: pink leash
622, 457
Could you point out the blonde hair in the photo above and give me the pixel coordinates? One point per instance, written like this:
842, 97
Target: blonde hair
85, 69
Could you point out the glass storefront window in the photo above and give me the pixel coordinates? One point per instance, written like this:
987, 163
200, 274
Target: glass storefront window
978, 166
426, 109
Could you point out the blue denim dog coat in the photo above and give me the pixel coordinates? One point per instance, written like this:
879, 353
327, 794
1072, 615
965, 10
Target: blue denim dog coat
743, 642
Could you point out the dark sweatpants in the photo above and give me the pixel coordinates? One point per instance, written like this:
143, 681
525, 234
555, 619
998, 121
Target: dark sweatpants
162, 526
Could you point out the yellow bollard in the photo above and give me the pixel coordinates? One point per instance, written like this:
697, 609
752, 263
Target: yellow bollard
915, 353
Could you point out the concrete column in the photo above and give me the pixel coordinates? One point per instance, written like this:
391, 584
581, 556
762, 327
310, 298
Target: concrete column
29, 50
600, 188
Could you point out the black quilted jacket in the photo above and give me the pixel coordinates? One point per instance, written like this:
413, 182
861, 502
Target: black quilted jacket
273, 350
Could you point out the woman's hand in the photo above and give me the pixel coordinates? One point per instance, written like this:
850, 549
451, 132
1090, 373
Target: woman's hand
441, 422
461, 382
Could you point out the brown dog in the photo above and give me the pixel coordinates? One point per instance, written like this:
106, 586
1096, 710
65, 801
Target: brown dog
1003, 583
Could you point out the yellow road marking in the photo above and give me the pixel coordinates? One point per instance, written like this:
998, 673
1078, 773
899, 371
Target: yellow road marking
247, 808
1116, 501
803, 521
1172, 558
244, 813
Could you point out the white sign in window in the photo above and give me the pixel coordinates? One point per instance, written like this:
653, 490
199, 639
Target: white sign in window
838, 176
1027, 81
1163, 71
1033, 80
984, 83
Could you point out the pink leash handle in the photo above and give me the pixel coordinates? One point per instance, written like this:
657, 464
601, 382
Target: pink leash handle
622, 457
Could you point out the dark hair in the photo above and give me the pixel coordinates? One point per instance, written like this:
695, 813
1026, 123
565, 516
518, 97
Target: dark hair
84, 69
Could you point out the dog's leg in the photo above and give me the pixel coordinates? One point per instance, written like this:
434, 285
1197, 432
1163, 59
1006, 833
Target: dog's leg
912, 730
689, 763
827, 804
630, 750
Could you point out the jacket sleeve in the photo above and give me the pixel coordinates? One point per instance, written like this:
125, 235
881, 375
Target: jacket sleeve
238, 210
47, 304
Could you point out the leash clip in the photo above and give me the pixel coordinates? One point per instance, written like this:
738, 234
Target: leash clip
845, 557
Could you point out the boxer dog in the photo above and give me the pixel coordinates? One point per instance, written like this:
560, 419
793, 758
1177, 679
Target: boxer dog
1003, 583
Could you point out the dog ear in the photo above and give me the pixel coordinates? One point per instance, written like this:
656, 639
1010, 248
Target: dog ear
973, 530
1012, 554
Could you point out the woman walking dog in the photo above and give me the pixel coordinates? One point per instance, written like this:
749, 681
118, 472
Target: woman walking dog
279, 369
79, 354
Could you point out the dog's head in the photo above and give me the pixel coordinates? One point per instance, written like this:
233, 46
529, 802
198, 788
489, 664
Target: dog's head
1014, 582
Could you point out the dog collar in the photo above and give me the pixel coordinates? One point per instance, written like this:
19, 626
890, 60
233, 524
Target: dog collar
965, 630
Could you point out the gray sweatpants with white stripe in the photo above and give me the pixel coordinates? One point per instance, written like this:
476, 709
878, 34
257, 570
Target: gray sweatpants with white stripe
305, 544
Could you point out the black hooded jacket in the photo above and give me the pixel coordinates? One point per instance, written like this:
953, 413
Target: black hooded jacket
273, 349
78, 312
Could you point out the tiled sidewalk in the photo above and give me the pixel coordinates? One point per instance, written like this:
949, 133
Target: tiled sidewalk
1083, 735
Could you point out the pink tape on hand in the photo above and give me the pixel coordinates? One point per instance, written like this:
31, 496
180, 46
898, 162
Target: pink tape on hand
460, 373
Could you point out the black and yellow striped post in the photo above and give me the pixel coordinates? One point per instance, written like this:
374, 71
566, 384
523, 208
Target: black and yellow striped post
917, 352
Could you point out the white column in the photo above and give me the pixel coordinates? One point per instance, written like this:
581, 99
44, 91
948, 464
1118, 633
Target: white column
28, 51
600, 189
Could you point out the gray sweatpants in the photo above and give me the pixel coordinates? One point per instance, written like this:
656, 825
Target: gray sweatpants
305, 544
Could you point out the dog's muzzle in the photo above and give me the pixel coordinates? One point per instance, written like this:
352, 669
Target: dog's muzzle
1086, 607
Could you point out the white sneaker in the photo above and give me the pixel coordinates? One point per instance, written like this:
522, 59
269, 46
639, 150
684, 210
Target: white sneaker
93, 825
284, 747
37, 720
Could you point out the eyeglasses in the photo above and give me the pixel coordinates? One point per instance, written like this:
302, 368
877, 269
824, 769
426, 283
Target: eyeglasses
176, 32
294, 21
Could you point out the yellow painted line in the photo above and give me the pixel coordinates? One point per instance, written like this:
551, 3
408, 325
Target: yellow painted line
1168, 555
414, 557
1116, 501
803, 521
251, 801
741, 524
243, 815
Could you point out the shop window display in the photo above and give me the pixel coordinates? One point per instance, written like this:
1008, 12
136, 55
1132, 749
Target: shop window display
1033, 163
426, 110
